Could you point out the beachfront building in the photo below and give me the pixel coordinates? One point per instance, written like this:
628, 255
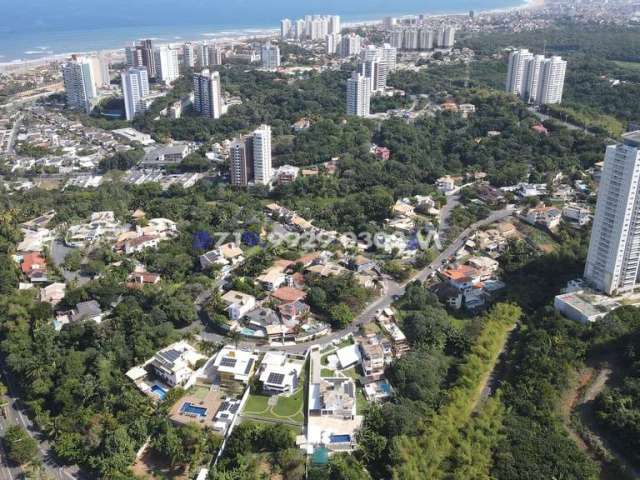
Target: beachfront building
141, 54
166, 62
135, 87
79, 83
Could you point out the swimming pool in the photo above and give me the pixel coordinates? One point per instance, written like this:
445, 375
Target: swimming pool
385, 387
191, 409
158, 391
340, 438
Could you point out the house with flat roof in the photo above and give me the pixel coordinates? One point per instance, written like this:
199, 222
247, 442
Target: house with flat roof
238, 304
165, 155
234, 368
272, 278
373, 357
280, 373
176, 364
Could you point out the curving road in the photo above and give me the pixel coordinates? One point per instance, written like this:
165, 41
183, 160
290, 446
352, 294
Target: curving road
392, 290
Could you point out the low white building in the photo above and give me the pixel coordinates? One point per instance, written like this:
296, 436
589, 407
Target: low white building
176, 364
238, 304
280, 373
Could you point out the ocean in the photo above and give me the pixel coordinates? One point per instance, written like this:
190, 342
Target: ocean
32, 29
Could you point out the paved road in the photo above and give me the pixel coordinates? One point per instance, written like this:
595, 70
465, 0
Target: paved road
391, 291
571, 126
15, 416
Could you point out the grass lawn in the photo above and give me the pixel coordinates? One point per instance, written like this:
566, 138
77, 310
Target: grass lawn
287, 407
353, 372
628, 65
327, 372
199, 392
345, 343
256, 404
361, 401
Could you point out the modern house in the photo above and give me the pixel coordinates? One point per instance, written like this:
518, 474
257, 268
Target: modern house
176, 364
234, 368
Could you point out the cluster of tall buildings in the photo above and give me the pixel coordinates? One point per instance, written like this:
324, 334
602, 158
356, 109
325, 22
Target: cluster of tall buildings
83, 76
345, 45
613, 261
161, 63
422, 38
536, 78
375, 65
250, 158
311, 27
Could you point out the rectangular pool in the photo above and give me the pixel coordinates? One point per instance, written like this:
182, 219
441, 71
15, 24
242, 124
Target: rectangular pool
340, 438
191, 409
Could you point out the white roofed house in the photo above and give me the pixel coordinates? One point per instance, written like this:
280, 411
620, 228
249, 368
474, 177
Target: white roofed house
176, 364
161, 227
548, 216
138, 244
234, 368
238, 304
279, 373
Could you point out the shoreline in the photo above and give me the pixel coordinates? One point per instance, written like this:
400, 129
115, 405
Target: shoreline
227, 36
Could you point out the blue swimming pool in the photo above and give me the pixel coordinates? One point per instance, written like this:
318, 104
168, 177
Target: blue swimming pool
340, 438
158, 391
385, 387
191, 409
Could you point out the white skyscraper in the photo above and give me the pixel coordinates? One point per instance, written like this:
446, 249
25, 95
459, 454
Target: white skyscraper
517, 71
358, 95
241, 161
531, 86
389, 57
166, 60
135, 87
100, 71
285, 28
350, 45
389, 22
215, 55
447, 37
332, 43
334, 25
536, 79
202, 55
397, 38
270, 56
410, 39
207, 97
300, 27
79, 83
614, 250
552, 81
262, 155
189, 55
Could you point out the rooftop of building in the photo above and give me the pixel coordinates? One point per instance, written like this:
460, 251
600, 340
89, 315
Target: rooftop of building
632, 139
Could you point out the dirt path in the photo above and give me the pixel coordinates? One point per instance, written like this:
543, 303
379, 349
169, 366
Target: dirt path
579, 399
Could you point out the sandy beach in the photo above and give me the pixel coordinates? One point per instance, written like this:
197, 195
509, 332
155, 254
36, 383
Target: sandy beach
228, 37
